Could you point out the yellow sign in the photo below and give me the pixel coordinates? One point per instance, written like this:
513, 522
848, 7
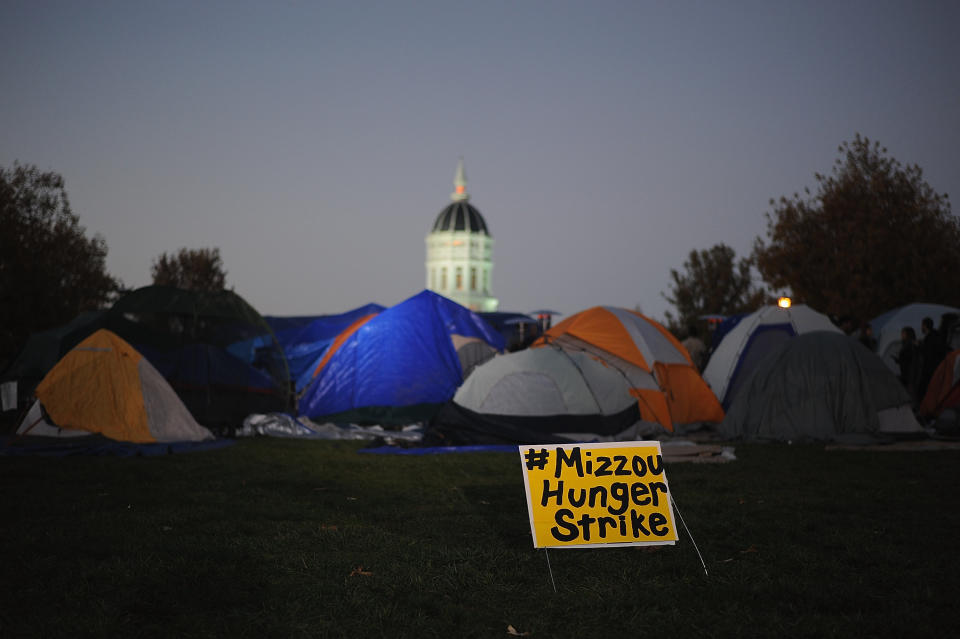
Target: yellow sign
597, 495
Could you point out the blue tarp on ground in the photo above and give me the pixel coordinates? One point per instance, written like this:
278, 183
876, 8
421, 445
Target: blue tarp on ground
100, 446
440, 450
305, 339
402, 357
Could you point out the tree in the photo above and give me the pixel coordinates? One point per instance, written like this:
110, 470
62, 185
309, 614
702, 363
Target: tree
712, 283
50, 271
874, 236
192, 269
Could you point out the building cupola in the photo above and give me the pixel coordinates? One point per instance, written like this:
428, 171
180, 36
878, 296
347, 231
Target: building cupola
460, 251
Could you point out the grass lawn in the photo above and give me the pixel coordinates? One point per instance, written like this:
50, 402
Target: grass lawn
280, 538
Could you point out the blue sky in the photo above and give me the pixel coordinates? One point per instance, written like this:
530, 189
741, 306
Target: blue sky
314, 143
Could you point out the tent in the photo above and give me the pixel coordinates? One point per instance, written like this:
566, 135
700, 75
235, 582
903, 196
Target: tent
887, 327
215, 350
539, 395
471, 352
752, 339
517, 329
943, 391
103, 385
305, 339
398, 366
820, 386
722, 325
665, 381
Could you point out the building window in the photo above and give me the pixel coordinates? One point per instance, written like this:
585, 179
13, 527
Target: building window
459, 278
473, 278
486, 281
443, 278
433, 278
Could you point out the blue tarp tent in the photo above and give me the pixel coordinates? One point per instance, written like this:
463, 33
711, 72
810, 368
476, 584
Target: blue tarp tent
518, 329
304, 339
398, 367
203, 366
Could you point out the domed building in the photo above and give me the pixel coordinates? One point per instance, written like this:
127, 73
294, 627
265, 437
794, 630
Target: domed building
460, 252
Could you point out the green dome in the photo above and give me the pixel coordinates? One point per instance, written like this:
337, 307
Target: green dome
460, 216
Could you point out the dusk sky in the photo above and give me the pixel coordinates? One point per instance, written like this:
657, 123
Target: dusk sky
314, 143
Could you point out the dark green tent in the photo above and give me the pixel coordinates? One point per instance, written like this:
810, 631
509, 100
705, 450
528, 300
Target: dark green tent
44, 349
215, 350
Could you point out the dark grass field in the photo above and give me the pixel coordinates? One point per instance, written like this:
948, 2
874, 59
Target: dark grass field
279, 538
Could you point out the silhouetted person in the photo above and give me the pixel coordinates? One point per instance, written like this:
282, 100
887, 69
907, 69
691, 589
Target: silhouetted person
910, 360
695, 347
847, 324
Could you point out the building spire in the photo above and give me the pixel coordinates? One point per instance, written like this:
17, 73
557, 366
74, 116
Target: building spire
460, 184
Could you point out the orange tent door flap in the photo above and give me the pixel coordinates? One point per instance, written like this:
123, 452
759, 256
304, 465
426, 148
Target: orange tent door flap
653, 406
688, 396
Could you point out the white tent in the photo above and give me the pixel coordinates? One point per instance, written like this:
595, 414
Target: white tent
752, 339
887, 327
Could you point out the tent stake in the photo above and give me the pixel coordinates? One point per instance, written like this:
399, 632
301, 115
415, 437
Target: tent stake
554, 583
689, 534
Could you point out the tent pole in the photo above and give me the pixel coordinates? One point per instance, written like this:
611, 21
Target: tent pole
24, 433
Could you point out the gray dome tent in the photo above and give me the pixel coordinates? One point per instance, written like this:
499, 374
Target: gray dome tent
820, 386
541, 395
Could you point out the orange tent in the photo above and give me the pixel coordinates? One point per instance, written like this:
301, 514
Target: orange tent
943, 391
642, 349
103, 385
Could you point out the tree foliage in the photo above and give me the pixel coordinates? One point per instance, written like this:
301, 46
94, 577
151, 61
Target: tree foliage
713, 283
50, 271
873, 237
191, 269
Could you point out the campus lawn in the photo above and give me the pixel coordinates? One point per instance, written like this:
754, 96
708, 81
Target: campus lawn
281, 538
